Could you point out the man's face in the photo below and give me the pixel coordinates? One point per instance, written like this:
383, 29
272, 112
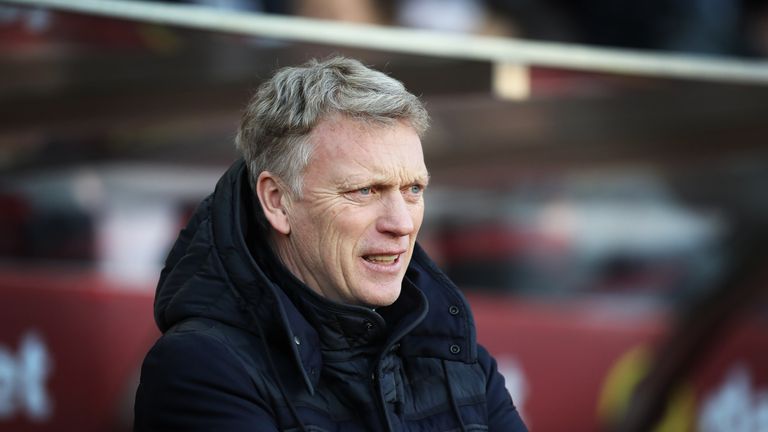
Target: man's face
353, 231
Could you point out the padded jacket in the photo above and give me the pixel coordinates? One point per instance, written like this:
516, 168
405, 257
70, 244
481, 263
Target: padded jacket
247, 347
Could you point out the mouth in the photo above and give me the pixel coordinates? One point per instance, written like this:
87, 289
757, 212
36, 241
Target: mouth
382, 259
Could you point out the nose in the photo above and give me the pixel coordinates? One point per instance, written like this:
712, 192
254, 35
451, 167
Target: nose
396, 218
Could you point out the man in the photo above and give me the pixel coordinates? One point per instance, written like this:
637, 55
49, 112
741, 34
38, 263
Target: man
297, 297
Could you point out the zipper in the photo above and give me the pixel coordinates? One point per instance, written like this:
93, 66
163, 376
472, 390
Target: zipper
382, 406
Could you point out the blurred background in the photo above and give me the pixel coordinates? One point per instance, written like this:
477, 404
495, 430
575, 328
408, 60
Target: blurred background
608, 228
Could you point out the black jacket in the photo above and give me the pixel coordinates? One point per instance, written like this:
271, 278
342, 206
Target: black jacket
247, 347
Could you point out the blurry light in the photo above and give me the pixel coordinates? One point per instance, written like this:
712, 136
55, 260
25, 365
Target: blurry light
88, 190
511, 81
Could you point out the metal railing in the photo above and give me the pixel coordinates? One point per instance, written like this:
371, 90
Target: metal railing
497, 50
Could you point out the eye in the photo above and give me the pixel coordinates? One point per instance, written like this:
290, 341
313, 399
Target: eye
415, 189
362, 194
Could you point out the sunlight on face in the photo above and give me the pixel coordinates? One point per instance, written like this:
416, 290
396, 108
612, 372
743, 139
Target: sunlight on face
353, 231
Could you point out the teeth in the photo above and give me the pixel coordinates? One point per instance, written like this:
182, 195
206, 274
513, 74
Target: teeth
381, 259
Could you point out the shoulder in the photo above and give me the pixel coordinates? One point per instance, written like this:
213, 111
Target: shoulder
199, 346
194, 350
195, 373
486, 360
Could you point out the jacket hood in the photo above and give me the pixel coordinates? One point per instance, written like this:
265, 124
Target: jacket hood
210, 273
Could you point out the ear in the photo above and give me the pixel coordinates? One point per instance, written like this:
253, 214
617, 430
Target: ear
273, 196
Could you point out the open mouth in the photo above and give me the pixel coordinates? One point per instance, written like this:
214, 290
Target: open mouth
382, 259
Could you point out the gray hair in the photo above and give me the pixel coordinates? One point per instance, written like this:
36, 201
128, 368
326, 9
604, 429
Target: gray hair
274, 130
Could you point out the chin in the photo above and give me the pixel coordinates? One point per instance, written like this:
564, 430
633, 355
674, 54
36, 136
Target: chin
382, 297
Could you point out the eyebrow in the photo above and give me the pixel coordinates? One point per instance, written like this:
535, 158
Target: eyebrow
349, 184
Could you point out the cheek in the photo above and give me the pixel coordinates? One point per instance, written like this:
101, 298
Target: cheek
352, 228
307, 233
337, 233
316, 221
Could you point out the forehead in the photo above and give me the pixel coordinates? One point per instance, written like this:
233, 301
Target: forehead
348, 151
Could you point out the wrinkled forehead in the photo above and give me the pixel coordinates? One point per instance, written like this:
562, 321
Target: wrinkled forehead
340, 126
382, 152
